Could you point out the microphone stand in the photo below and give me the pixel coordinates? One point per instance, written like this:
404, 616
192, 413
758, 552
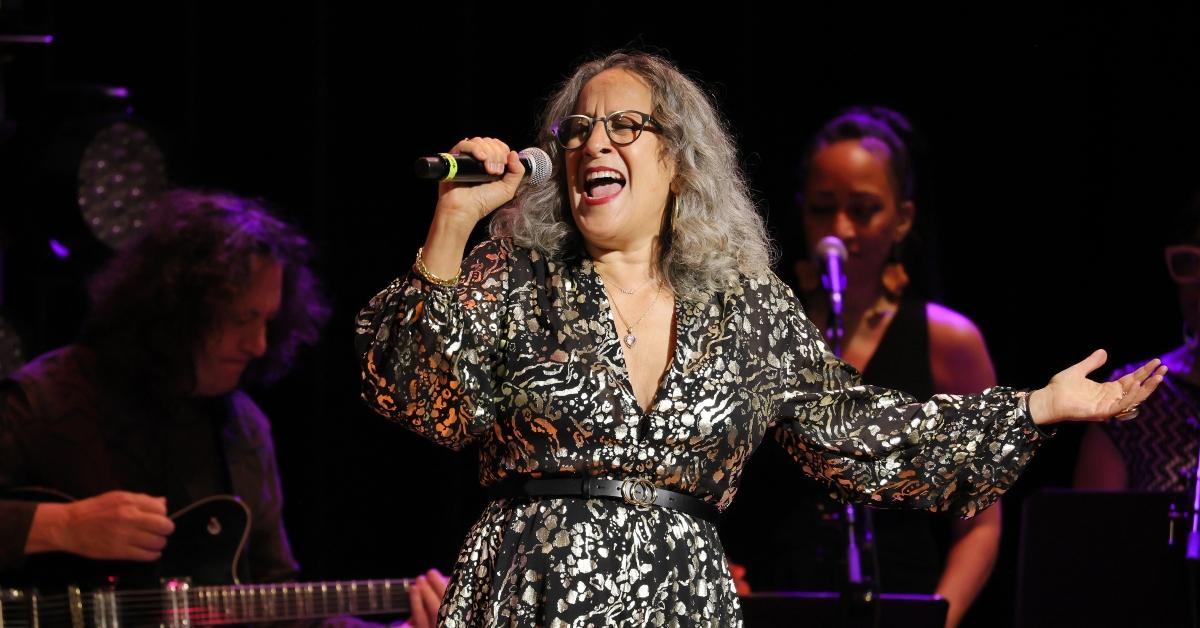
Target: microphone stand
1193, 537
861, 591
1183, 514
1192, 553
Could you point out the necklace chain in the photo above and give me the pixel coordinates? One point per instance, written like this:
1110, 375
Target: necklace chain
630, 292
630, 338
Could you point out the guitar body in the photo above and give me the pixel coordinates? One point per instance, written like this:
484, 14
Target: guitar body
208, 541
205, 548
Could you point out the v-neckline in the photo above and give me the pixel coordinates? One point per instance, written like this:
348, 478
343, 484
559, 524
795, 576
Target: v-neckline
613, 335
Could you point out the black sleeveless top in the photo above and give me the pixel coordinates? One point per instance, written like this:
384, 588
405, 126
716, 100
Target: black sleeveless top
911, 544
786, 532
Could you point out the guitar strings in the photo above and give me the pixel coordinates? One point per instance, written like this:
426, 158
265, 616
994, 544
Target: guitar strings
231, 604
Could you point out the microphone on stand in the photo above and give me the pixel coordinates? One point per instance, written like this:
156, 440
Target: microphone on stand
860, 595
831, 253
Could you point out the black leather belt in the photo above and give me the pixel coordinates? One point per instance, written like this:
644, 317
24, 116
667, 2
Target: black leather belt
638, 492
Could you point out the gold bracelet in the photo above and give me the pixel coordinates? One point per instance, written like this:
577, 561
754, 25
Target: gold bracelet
430, 277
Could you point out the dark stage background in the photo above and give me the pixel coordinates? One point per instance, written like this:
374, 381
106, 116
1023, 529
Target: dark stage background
1057, 143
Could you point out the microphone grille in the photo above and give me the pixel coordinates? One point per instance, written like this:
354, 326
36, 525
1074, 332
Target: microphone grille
831, 244
540, 166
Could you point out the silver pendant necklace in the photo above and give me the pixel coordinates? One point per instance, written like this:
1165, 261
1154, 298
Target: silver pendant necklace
630, 338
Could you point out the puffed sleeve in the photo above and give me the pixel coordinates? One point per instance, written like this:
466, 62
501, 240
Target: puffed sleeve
954, 453
429, 353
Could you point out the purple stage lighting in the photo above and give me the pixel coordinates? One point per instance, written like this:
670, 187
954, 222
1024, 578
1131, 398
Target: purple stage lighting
60, 250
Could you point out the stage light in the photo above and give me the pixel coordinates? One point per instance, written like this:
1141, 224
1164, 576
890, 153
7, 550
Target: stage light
122, 167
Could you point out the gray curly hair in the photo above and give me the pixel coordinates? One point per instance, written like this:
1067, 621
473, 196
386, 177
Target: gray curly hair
713, 237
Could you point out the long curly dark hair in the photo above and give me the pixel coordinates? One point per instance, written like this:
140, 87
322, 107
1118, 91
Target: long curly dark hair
155, 302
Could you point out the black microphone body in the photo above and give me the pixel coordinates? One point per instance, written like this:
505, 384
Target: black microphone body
457, 168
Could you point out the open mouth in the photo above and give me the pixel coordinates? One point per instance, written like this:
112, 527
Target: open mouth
603, 184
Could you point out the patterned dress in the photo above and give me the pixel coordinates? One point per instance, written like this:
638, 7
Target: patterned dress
523, 358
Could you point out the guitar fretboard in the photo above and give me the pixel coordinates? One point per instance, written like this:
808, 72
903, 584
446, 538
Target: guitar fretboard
239, 604
180, 604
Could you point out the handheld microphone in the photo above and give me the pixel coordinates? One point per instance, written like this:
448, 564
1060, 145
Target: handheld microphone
450, 167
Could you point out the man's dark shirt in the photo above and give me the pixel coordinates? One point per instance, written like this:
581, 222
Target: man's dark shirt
64, 427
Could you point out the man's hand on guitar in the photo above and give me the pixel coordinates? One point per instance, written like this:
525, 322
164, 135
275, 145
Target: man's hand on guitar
425, 597
117, 525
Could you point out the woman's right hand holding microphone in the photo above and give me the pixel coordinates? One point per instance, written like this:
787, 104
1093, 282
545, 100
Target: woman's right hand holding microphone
461, 206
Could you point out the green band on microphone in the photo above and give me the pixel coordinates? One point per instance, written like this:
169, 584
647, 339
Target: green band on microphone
453, 163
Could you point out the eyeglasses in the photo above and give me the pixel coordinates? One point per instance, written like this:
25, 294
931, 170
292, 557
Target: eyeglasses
1183, 262
623, 128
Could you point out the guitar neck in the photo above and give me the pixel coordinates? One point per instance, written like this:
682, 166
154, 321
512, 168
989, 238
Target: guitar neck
243, 604
179, 604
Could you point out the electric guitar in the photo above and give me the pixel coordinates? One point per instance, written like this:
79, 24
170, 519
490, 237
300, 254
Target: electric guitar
197, 582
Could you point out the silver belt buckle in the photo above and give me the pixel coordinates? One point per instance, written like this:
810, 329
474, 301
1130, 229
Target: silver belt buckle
638, 492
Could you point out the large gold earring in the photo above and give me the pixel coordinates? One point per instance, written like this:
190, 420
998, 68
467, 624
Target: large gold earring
894, 277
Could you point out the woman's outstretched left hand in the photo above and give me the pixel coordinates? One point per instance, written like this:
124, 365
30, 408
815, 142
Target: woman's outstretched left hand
1071, 396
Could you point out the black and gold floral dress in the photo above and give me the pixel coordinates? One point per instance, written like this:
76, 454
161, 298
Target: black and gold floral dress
523, 357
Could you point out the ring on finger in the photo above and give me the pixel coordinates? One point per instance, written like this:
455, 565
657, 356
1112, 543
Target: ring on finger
1127, 414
